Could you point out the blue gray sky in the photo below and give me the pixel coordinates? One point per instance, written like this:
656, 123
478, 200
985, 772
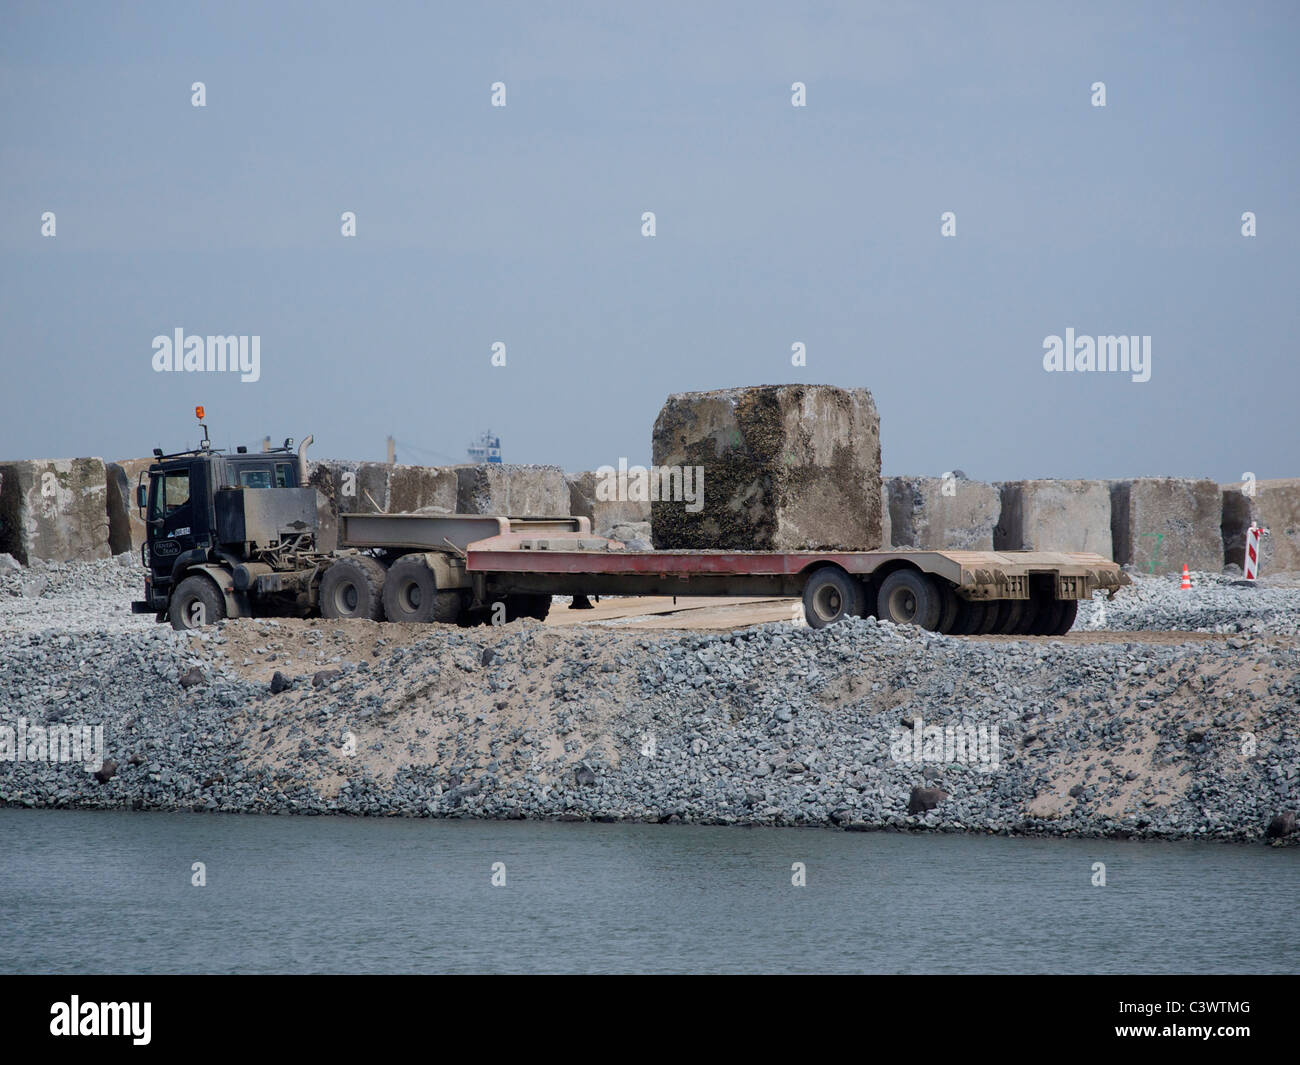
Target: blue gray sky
775, 224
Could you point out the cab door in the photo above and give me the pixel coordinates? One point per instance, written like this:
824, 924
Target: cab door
177, 518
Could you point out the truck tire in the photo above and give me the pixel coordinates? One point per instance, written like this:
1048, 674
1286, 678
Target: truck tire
1033, 612
908, 597
353, 588
1069, 611
1009, 611
411, 594
951, 606
527, 606
196, 602
970, 616
831, 595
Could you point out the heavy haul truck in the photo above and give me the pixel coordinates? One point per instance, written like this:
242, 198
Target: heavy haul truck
235, 535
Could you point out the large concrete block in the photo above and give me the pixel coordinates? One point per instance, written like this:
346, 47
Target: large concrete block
1160, 524
596, 495
346, 487
54, 509
512, 490
126, 528
1272, 504
886, 526
785, 467
1051, 515
431, 489
935, 512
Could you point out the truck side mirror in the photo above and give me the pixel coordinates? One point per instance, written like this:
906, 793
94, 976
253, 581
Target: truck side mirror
141, 497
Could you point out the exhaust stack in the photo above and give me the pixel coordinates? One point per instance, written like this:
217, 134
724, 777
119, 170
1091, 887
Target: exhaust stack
302, 459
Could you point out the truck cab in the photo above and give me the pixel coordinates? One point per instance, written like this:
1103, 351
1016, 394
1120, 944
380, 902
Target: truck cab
193, 507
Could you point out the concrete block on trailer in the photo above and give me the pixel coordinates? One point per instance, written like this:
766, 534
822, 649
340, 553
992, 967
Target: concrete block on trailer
1051, 515
54, 509
943, 512
1160, 524
594, 495
1272, 504
784, 468
512, 489
886, 524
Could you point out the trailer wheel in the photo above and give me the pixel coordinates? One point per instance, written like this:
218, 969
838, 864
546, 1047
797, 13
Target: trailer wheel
353, 588
527, 606
951, 606
195, 603
1009, 611
831, 595
908, 597
411, 594
1065, 622
970, 616
1034, 611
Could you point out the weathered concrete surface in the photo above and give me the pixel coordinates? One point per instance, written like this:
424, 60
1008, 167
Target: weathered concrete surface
934, 513
432, 489
595, 494
1050, 515
886, 525
1160, 524
1275, 505
347, 487
785, 467
54, 509
126, 528
512, 489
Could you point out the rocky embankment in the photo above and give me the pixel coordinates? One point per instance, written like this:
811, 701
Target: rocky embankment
863, 725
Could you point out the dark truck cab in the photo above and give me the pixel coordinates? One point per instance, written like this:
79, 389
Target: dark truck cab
198, 506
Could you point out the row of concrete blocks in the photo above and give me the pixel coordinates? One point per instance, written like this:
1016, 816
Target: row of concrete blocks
1156, 524
63, 509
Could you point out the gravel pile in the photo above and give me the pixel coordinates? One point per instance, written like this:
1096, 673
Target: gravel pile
1214, 603
770, 725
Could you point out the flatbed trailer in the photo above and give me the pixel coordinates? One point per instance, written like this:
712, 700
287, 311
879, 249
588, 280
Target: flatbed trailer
1034, 592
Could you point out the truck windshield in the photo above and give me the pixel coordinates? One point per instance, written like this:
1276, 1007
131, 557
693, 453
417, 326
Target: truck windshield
255, 478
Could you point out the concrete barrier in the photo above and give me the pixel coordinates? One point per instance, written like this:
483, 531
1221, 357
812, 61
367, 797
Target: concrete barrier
785, 468
347, 487
511, 489
126, 528
1160, 524
1049, 515
54, 509
593, 495
934, 513
1273, 504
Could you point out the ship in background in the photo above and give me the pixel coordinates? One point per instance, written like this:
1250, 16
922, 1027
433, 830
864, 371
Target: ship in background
486, 449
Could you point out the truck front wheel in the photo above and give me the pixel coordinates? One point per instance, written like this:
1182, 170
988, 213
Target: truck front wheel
195, 603
353, 588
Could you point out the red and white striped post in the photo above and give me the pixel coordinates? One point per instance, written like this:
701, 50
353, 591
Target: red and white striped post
1252, 552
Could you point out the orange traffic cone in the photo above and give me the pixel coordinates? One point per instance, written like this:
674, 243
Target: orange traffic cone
1187, 580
